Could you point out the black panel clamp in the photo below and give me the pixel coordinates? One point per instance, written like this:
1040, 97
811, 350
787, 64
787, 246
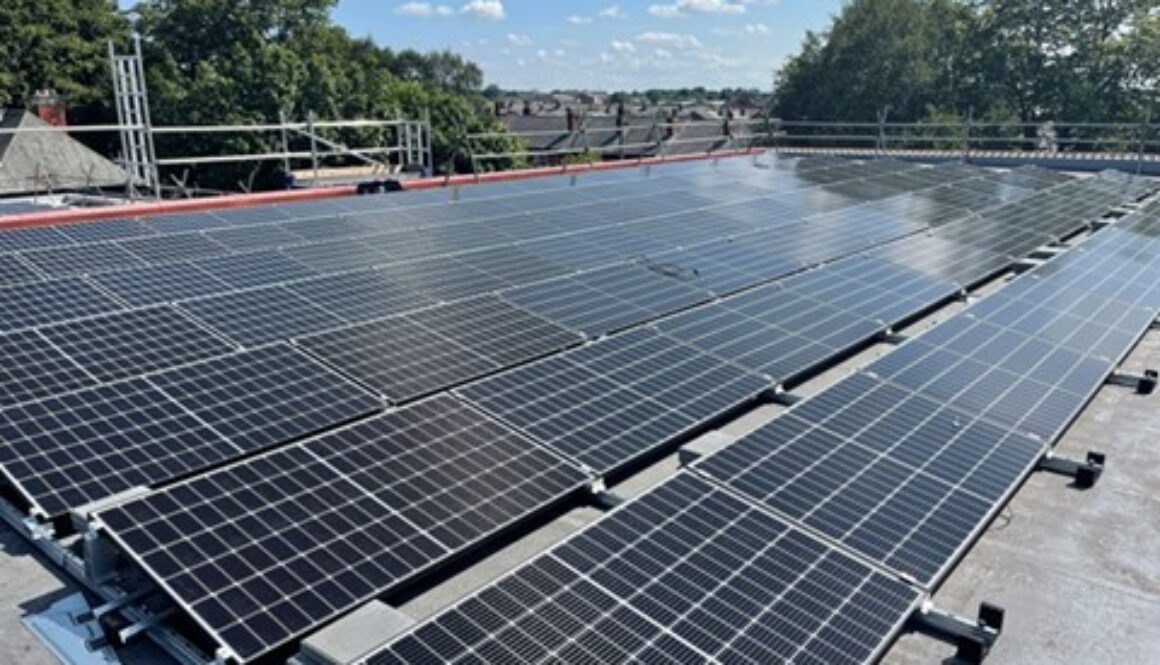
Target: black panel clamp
973, 639
1144, 382
1085, 473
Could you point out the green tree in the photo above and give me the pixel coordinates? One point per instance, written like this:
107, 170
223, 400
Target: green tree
60, 44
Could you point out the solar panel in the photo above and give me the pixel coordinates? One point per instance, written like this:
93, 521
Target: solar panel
246, 238
125, 344
336, 255
81, 259
684, 574
569, 302
32, 238
608, 403
644, 287
33, 367
261, 552
398, 357
185, 221
360, 296
442, 278
254, 269
266, 396
14, 271
71, 449
513, 265
153, 285
495, 329
36, 303
414, 355
897, 477
261, 315
105, 229
177, 247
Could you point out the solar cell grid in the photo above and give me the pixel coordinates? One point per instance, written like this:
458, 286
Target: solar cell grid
685, 574
336, 255
900, 478
266, 396
265, 550
13, 270
254, 269
32, 238
359, 296
442, 278
125, 344
176, 247
261, 315
570, 303
610, 402
153, 285
33, 367
81, 259
398, 357
36, 303
105, 229
71, 449
186, 221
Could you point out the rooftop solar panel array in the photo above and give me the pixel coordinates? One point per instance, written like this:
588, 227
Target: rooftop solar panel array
262, 551
130, 375
685, 574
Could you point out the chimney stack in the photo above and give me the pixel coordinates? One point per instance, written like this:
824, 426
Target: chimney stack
49, 107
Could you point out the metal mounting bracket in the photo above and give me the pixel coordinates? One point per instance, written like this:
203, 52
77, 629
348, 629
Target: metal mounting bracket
1085, 473
894, 338
786, 398
973, 639
1144, 382
112, 606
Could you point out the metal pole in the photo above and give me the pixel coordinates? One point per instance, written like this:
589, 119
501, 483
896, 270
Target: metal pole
967, 133
285, 141
146, 116
430, 156
1143, 139
120, 119
310, 118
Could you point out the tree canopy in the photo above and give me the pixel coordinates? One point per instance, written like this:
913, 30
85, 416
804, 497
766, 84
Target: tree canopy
1020, 60
229, 62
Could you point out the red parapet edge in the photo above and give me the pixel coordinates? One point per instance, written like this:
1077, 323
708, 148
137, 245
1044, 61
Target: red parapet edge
80, 215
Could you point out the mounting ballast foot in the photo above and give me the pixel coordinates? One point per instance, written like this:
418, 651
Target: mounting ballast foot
785, 398
602, 498
1085, 473
1144, 382
973, 639
894, 338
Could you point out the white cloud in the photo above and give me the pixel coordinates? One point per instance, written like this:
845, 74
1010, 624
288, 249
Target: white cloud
670, 39
687, 7
606, 57
756, 29
623, 47
423, 9
519, 40
579, 20
612, 11
487, 10
663, 54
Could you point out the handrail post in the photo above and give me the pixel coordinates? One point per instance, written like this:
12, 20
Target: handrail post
967, 134
310, 119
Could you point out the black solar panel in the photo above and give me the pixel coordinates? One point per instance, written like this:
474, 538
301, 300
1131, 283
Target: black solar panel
107, 229
13, 270
266, 396
442, 277
610, 402
125, 344
37, 303
81, 259
32, 238
246, 238
263, 551
360, 296
569, 302
892, 475
254, 269
336, 255
71, 449
262, 315
32, 367
684, 574
414, 355
153, 285
177, 247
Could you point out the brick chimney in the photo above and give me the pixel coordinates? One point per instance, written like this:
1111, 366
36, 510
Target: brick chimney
49, 107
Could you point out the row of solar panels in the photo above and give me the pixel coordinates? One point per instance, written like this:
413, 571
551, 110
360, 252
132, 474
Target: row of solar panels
793, 544
635, 391
240, 405
402, 357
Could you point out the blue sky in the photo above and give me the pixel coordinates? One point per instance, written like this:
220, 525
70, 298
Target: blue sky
600, 44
